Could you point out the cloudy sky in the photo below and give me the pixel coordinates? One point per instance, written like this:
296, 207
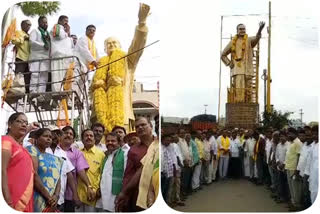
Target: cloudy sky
191, 55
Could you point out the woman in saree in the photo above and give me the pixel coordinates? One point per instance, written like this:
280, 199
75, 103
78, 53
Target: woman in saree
47, 172
17, 168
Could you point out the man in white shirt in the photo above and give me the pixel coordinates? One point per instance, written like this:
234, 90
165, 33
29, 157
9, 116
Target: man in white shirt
306, 151
39, 49
86, 50
235, 162
206, 159
214, 157
281, 151
179, 164
107, 189
61, 47
121, 131
312, 166
187, 162
66, 175
67, 168
250, 143
269, 174
272, 164
246, 161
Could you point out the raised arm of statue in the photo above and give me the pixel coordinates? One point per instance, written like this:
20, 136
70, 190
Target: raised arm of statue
255, 41
224, 56
140, 36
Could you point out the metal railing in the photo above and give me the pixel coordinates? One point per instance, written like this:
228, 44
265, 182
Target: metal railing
78, 94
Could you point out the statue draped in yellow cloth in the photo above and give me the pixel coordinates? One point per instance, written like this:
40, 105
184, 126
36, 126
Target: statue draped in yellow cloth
112, 85
241, 50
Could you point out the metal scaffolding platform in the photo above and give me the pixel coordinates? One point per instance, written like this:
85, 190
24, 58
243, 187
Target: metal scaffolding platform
46, 105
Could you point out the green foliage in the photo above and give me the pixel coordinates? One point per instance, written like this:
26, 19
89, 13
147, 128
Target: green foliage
276, 119
39, 8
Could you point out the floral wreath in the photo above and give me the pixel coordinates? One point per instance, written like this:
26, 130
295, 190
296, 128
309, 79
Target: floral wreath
243, 49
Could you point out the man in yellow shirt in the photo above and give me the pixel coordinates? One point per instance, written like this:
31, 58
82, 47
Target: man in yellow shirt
94, 157
224, 154
22, 46
291, 162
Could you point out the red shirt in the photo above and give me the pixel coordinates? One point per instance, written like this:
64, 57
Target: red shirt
135, 154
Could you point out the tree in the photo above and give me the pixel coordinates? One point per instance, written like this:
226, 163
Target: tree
31, 9
276, 119
39, 8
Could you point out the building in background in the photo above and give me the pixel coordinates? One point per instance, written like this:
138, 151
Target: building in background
145, 102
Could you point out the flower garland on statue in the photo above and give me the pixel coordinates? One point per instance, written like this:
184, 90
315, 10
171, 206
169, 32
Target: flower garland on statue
243, 49
108, 92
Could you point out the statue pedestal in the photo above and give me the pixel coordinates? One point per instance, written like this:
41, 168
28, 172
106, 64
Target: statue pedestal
242, 115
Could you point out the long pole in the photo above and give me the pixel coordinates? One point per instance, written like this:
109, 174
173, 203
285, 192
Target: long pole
220, 71
269, 63
265, 88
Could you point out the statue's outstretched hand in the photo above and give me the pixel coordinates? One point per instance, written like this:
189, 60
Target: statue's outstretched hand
261, 25
143, 12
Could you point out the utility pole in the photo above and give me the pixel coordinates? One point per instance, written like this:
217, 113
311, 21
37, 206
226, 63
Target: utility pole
269, 63
301, 113
205, 108
264, 77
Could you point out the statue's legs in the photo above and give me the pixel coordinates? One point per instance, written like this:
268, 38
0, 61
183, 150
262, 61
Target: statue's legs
249, 89
239, 82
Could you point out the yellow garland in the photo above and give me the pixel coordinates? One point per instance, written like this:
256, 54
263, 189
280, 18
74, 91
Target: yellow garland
256, 150
243, 49
6, 85
108, 91
63, 104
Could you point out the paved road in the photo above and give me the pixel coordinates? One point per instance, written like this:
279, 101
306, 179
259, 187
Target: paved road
232, 196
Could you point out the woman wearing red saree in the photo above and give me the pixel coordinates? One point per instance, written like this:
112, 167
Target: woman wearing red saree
17, 169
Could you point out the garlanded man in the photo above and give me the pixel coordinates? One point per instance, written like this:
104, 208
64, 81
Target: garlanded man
40, 45
61, 47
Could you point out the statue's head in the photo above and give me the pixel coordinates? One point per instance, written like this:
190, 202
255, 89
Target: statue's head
111, 44
90, 31
241, 29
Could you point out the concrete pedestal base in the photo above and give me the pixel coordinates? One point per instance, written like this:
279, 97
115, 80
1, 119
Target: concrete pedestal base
242, 115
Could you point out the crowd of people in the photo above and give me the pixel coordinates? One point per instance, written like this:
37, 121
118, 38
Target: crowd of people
285, 161
47, 170
43, 56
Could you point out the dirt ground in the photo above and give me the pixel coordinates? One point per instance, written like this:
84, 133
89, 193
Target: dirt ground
232, 196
